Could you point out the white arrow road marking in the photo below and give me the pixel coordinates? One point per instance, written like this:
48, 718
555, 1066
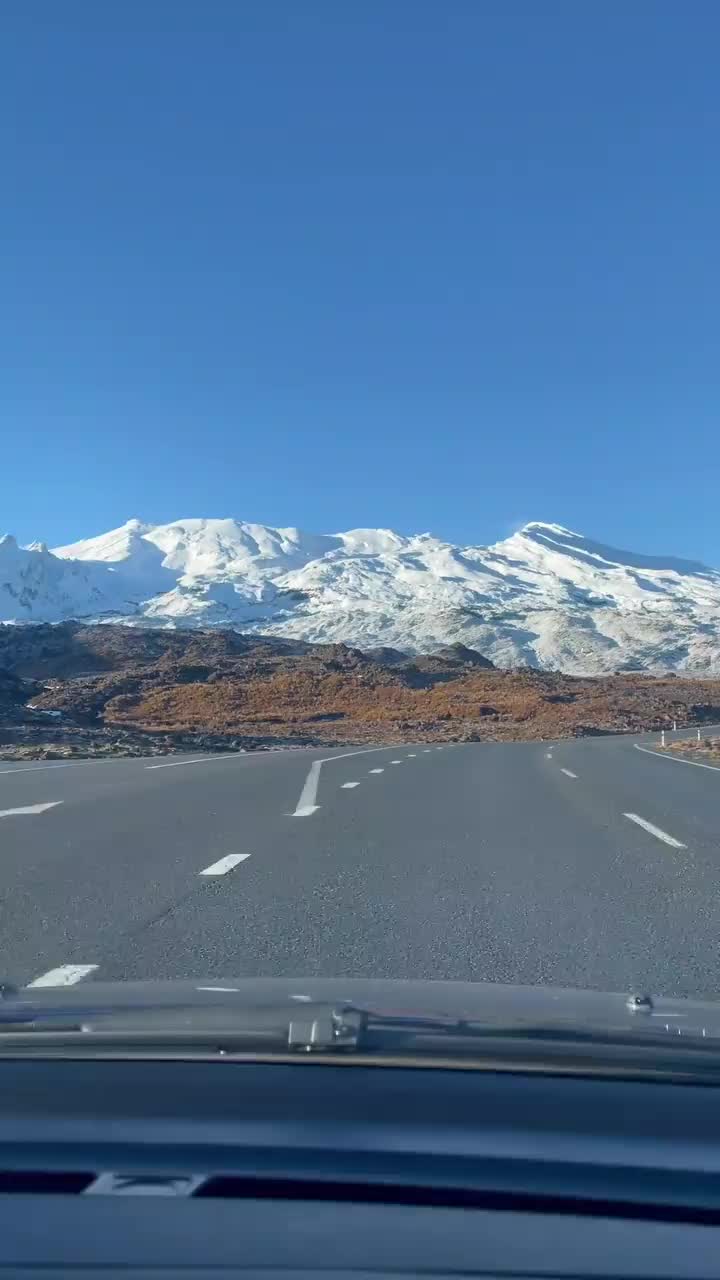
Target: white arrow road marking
30, 808
306, 805
65, 976
655, 831
225, 864
347, 786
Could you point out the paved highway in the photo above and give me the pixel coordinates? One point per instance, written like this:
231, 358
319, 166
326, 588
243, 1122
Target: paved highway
593, 862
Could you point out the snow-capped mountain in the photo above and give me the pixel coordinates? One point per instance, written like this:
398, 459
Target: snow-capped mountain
546, 596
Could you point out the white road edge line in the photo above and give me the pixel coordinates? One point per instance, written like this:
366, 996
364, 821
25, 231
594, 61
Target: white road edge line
176, 764
306, 805
225, 864
64, 976
41, 767
347, 786
676, 759
569, 773
74, 764
655, 831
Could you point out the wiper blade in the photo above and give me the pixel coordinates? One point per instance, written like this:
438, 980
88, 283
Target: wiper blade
312, 1028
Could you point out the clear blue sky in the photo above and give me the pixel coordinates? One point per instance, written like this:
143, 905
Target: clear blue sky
430, 264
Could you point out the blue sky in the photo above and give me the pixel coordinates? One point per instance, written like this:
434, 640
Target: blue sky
446, 265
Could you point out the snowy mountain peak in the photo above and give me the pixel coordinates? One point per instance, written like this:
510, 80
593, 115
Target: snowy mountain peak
115, 545
563, 541
546, 596
542, 526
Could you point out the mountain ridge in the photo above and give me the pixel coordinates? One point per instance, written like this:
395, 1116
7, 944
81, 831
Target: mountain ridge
546, 596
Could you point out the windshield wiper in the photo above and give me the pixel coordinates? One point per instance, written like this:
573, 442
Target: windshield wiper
343, 1032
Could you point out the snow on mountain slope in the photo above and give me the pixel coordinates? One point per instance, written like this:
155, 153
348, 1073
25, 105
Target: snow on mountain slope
37, 586
545, 596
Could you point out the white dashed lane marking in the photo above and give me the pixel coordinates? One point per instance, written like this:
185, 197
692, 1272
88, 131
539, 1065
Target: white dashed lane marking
376, 770
396, 761
347, 786
225, 864
568, 773
655, 831
66, 975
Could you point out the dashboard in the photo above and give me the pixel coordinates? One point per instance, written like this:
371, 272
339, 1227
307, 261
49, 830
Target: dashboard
196, 1168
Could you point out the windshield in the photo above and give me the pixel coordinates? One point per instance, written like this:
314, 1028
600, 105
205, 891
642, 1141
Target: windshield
359, 609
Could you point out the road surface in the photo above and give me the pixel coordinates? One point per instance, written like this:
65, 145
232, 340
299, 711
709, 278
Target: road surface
592, 863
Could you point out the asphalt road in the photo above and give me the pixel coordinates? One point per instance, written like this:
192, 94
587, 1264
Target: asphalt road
589, 863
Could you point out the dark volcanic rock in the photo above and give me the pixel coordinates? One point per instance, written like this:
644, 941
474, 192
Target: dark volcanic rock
459, 653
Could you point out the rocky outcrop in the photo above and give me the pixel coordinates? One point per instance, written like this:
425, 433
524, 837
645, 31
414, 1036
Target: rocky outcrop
104, 689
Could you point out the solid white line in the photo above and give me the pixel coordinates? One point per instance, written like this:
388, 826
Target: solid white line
30, 808
41, 767
306, 805
65, 976
376, 770
569, 773
225, 864
347, 786
655, 831
74, 764
175, 764
676, 759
